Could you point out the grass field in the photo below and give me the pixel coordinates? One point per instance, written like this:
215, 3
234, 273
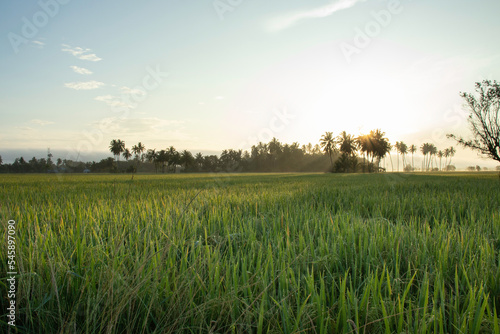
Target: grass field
310, 253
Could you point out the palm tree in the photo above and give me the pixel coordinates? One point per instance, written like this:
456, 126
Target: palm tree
199, 160
433, 152
116, 147
440, 155
380, 145
397, 147
347, 143
365, 144
425, 149
187, 159
138, 150
412, 149
452, 153
348, 147
126, 154
403, 149
446, 154
151, 156
327, 143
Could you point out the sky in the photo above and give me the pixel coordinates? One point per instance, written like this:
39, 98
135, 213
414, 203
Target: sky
218, 74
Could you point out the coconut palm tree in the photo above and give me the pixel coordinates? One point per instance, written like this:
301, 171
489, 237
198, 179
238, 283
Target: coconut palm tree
446, 154
425, 149
187, 159
433, 152
365, 144
397, 147
378, 145
440, 155
138, 150
117, 146
452, 153
347, 143
199, 160
126, 154
412, 150
327, 143
152, 157
403, 149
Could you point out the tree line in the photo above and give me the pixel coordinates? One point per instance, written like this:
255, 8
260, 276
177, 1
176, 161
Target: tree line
344, 153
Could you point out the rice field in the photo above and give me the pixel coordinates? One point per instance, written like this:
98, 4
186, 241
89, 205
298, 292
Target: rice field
254, 253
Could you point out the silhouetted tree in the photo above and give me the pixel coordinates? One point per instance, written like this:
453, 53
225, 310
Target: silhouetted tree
483, 119
327, 143
412, 150
116, 147
380, 145
126, 154
347, 143
440, 155
138, 150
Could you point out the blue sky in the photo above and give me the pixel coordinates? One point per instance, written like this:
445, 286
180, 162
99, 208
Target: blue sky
210, 75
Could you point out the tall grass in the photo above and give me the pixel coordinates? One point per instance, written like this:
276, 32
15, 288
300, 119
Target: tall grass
260, 253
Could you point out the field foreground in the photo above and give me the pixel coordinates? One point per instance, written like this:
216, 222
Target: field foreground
282, 253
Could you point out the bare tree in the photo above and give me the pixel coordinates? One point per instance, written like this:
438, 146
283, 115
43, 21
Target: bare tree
483, 119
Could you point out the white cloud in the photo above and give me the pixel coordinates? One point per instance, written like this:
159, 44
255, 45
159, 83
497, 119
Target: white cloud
41, 122
113, 101
87, 85
38, 44
292, 18
81, 53
80, 70
133, 91
219, 97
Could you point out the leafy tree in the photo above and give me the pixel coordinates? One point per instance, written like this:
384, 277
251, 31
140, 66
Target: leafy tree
483, 119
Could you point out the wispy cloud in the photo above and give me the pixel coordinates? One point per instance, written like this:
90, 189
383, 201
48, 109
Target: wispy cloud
127, 94
87, 85
80, 70
38, 44
41, 122
289, 20
133, 91
113, 101
80, 53
219, 98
